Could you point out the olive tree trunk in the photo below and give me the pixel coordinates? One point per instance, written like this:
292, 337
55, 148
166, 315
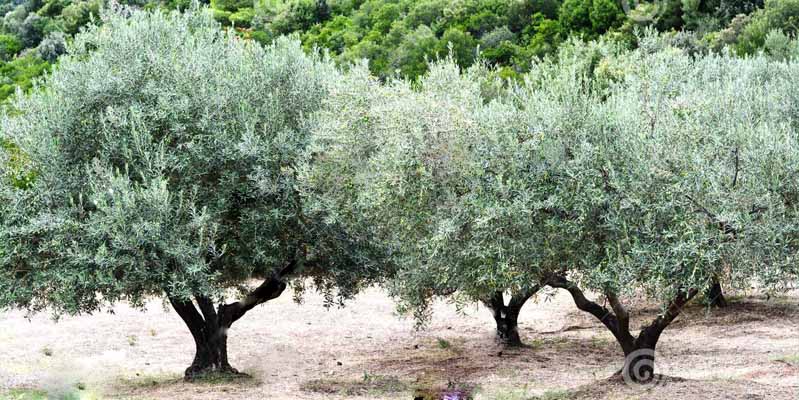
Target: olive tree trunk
507, 316
639, 352
715, 295
209, 326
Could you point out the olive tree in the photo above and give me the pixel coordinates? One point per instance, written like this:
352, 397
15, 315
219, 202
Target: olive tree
435, 174
671, 186
165, 154
641, 175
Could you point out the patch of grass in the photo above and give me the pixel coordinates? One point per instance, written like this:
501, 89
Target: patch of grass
153, 332
24, 394
158, 381
599, 342
790, 359
536, 343
553, 395
542, 343
443, 343
369, 385
132, 339
222, 378
37, 394
149, 381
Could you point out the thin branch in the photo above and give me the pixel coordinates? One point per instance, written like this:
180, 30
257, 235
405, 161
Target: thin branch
270, 289
737, 161
724, 226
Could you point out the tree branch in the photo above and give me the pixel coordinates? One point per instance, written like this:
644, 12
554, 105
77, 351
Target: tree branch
496, 301
605, 316
735, 176
651, 333
724, 226
517, 300
207, 309
190, 316
621, 313
271, 288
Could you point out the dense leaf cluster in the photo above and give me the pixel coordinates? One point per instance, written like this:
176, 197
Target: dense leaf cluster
165, 155
647, 172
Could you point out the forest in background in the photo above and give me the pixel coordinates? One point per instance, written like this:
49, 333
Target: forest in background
398, 37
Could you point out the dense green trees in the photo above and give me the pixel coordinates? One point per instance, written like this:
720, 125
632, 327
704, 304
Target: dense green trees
167, 157
164, 155
399, 36
431, 173
625, 175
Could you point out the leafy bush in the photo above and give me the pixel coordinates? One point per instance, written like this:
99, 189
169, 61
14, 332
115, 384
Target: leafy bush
782, 15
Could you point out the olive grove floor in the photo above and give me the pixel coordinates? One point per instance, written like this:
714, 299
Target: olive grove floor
749, 350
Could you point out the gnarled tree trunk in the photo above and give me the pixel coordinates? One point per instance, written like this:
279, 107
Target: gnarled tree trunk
209, 326
715, 295
507, 316
639, 357
639, 352
210, 337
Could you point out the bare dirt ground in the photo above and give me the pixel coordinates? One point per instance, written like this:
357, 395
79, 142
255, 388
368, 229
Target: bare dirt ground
749, 350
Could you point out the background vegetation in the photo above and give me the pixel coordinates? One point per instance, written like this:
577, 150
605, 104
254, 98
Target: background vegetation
399, 36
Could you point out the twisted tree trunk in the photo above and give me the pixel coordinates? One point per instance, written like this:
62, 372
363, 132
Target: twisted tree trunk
507, 316
639, 352
209, 326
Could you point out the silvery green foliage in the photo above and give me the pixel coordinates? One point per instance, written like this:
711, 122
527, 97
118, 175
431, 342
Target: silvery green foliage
432, 174
52, 46
664, 175
780, 47
693, 149
618, 169
165, 151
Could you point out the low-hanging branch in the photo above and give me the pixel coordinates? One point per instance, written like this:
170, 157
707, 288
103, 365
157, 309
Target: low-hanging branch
271, 288
617, 320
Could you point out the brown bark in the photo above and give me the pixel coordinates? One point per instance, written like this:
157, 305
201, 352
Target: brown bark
639, 351
507, 316
209, 326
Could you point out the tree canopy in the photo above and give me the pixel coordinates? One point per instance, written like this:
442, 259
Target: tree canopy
646, 173
165, 154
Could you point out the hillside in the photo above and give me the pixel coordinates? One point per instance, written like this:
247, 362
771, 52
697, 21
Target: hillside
398, 36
